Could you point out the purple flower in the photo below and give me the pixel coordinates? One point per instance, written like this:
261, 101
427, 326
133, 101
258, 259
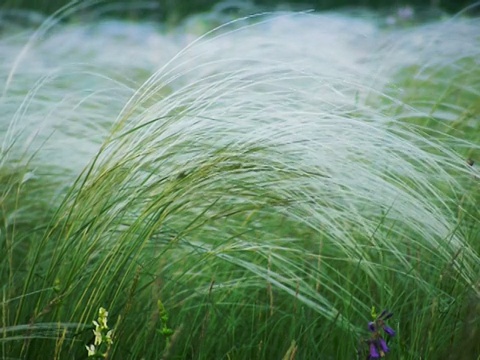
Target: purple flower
382, 344
385, 315
373, 351
380, 322
371, 326
388, 330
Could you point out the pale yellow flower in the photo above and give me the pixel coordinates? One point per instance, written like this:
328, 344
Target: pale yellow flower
108, 338
91, 350
98, 336
102, 317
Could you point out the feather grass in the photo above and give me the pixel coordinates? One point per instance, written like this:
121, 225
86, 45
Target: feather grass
269, 183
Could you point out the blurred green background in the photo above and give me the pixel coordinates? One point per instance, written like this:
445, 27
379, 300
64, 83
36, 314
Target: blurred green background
178, 9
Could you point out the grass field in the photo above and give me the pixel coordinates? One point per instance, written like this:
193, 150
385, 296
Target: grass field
260, 190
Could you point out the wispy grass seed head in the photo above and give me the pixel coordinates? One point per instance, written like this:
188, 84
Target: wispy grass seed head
284, 152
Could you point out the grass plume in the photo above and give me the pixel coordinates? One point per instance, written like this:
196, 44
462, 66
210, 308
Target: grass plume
267, 183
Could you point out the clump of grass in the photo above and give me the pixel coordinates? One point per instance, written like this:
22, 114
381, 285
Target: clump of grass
268, 183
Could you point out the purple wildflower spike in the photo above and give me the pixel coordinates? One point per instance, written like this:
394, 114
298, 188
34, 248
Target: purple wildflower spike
377, 344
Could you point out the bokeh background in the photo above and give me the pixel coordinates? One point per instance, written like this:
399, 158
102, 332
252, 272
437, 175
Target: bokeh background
175, 10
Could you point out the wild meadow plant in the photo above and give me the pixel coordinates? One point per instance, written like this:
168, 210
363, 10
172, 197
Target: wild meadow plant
376, 343
264, 184
103, 336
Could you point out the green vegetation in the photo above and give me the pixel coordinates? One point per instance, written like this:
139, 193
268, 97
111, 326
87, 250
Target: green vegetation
173, 11
247, 194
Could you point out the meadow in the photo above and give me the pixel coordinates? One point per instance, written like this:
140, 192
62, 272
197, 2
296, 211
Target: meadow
256, 187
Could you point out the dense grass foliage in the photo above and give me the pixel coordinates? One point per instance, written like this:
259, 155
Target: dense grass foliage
250, 193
